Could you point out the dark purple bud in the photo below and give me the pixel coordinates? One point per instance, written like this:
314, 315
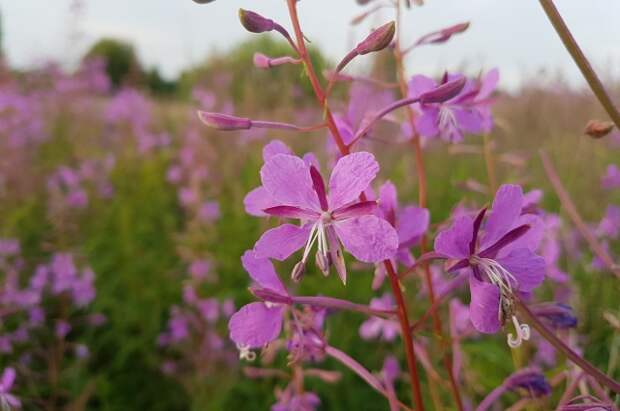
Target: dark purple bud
377, 40
443, 35
221, 121
556, 315
254, 22
203, 1
532, 380
298, 271
444, 92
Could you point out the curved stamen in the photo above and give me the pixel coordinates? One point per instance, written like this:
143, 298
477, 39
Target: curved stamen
245, 353
522, 331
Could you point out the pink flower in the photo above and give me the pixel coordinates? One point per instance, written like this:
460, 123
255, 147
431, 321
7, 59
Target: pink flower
376, 327
297, 190
8, 400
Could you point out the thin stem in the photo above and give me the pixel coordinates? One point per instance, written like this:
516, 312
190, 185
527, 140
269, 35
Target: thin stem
402, 308
572, 212
581, 60
548, 335
336, 303
491, 398
422, 199
362, 372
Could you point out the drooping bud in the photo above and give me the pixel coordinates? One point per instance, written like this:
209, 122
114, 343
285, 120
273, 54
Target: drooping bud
262, 61
203, 1
221, 121
298, 271
444, 92
254, 22
556, 315
598, 128
443, 35
531, 380
378, 39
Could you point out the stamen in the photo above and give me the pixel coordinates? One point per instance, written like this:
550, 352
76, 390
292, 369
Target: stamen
523, 333
245, 353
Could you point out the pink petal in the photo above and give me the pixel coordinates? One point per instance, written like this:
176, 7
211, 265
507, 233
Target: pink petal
388, 199
420, 84
257, 200
426, 124
531, 239
255, 325
454, 241
489, 84
504, 213
355, 210
282, 241
291, 212
527, 267
287, 179
351, 175
273, 148
484, 306
8, 377
368, 238
412, 223
468, 120
261, 270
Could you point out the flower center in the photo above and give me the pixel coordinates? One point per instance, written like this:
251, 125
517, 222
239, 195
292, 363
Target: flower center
318, 234
245, 353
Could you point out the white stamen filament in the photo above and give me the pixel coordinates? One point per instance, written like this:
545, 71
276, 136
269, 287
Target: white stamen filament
318, 234
446, 118
504, 280
245, 353
523, 334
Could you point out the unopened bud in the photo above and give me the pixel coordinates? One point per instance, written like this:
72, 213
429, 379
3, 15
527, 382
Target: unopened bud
444, 92
203, 1
261, 61
221, 121
298, 271
378, 39
322, 262
598, 128
254, 22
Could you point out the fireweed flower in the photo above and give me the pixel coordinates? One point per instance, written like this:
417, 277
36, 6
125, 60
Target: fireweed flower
382, 328
410, 223
7, 400
466, 113
258, 323
290, 400
609, 226
530, 381
611, 179
501, 260
329, 219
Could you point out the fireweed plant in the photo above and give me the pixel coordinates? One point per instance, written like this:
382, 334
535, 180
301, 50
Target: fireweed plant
501, 253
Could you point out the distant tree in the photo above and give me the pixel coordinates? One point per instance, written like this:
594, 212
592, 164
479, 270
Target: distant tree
158, 85
122, 64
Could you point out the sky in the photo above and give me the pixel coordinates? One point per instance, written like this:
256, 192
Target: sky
513, 35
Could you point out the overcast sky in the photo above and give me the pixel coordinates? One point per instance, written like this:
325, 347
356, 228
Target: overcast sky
513, 35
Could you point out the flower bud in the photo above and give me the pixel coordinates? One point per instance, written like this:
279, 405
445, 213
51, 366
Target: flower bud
444, 92
203, 1
261, 61
221, 121
531, 380
254, 22
598, 129
298, 271
378, 39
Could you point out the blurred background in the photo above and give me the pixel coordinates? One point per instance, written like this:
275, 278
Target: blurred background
122, 219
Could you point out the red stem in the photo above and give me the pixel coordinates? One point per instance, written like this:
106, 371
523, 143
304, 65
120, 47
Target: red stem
344, 150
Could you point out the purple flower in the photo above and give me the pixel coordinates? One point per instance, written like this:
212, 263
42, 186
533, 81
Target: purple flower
610, 224
376, 327
257, 324
62, 328
328, 219
8, 400
410, 222
467, 113
290, 400
611, 179
531, 380
501, 259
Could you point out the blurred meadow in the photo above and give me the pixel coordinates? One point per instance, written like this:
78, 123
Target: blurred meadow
110, 164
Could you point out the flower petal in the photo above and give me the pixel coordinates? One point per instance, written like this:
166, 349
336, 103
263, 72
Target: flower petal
8, 377
261, 270
426, 124
368, 238
282, 241
255, 325
504, 213
484, 306
257, 200
454, 241
420, 84
527, 268
287, 179
388, 200
412, 223
273, 148
351, 175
